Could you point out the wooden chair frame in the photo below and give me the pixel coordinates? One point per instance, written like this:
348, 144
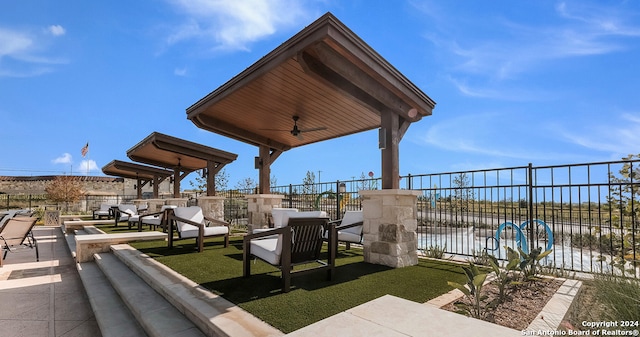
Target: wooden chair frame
299, 245
171, 220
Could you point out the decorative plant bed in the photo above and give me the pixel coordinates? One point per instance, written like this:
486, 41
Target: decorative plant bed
522, 305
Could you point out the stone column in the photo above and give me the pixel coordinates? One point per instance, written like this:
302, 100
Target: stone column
389, 228
259, 208
140, 203
180, 202
155, 205
212, 207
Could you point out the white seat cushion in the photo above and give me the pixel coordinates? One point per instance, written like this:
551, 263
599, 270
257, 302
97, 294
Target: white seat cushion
155, 220
348, 237
267, 249
190, 231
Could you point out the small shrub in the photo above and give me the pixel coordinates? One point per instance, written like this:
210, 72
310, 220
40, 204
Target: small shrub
472, 290
530, 263
506, 276
435, 251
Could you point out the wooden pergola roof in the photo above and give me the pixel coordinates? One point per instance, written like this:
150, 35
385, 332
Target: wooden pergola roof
182, 156
143, 174
328, 77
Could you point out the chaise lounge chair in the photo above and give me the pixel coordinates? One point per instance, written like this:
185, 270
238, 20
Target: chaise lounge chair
299, 242
190, 223
15, 232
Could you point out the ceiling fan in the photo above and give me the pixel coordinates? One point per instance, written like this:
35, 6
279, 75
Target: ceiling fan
296, 131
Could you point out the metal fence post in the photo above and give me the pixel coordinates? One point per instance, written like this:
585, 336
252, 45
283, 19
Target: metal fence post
290, 196
532, 239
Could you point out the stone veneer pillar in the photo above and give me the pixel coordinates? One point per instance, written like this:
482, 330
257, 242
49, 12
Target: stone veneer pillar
389, 227
154, 205
259, 208
180, 202
140, 203
212, 207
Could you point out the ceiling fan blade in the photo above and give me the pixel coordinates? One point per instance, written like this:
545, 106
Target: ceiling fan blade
314, 129
279, 130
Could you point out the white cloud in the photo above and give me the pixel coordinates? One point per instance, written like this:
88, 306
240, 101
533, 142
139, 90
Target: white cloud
25, 51
576, 31
66, 158
476, 134
13, 43
618, 136
56, 30
235, 24
87, 166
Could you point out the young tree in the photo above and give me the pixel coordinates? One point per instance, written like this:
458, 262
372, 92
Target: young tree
221, 180
64, 189
624, 200
245, 185
308, 183
462, 192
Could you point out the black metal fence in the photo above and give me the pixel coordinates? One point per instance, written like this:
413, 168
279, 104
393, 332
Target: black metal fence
587, 214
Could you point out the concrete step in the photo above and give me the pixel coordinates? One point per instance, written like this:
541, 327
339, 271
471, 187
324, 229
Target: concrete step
153, 312
213, 314
112, 315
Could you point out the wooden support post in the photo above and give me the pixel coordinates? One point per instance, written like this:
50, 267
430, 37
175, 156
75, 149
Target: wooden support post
390, 153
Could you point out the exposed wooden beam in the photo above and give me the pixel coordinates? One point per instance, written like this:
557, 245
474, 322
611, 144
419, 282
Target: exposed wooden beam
226, 129
356, 77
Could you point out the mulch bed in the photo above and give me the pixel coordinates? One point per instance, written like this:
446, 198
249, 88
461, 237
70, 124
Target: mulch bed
523, 303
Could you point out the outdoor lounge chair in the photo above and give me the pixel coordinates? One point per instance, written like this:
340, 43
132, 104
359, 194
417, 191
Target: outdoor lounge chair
104, 211
15, 232
154, 220
190, 223
125, 212
297, 243
349, 228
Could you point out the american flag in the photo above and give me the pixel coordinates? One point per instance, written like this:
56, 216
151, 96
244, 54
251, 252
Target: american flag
85, 150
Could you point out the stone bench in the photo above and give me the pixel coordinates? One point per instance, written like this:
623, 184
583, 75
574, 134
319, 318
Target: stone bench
89, 230
87, 245
70, 226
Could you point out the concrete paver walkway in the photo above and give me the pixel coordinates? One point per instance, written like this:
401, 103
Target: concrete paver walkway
44, 298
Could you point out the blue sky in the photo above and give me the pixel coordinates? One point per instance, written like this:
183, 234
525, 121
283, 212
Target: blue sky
547, 82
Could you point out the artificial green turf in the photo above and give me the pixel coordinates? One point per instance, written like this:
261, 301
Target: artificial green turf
312, 297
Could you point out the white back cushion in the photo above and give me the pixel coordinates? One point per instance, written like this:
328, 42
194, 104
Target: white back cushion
277, 214
349, 218
193, 213
129, 209
309, 214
